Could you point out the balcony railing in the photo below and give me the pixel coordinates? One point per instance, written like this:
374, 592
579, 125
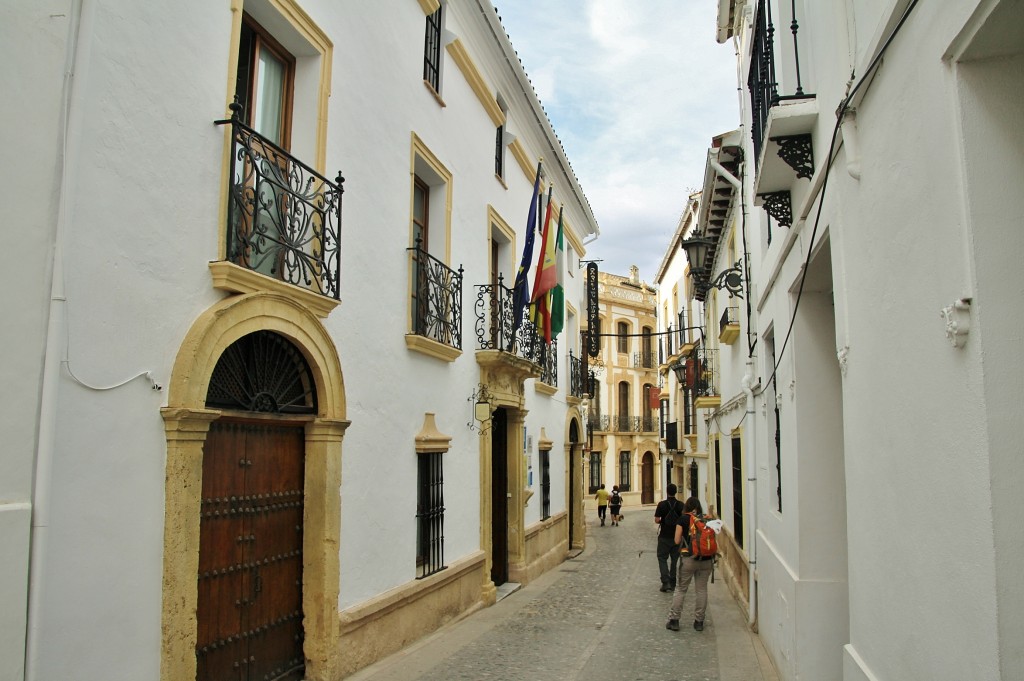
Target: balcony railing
762, 80
284, 218
494, 321
579, 382
702, 372
643, 360
437, 298
625, 424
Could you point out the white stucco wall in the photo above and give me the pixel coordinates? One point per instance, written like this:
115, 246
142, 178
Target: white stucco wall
142, 196
922, 430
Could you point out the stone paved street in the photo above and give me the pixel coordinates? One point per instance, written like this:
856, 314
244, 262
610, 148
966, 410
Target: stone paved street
599, 615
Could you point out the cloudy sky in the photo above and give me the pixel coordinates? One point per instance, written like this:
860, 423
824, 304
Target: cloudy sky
635, 90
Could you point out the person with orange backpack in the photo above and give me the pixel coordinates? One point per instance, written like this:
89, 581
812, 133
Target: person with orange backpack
698, 547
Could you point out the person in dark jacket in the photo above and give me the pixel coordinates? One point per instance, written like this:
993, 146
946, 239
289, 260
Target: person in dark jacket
668, 513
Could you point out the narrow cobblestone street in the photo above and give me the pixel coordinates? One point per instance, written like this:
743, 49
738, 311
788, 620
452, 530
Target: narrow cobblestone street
598, 615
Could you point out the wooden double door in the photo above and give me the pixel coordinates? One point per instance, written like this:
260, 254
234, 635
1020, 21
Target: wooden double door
250, 554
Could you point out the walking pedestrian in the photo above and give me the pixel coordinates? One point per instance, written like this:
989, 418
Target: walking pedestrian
691, 566
667, 515
602, 503
615, 504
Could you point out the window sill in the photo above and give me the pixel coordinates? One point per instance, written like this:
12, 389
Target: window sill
435, 93
544, 388
227, 276
432, 348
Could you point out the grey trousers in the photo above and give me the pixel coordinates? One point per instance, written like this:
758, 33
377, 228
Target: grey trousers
700, 572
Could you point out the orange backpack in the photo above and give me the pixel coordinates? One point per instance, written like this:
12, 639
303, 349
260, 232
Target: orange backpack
703, 541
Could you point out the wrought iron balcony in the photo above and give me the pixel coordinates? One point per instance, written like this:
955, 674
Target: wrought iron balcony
650, 424
729, 325
494, 330
762, 79
437, 298
702, 372
284, 218
579, 382
643, 360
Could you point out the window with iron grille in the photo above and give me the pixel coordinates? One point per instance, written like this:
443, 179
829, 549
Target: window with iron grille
429, 515
432, 51
623, 337
545, 483
718, 477
499, 152
737, 490
624, 467
595, 471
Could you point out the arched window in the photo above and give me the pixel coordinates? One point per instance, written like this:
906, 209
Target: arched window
622, 329
624, 469
262, 372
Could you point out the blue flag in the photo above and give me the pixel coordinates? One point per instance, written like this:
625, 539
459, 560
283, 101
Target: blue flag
521, 289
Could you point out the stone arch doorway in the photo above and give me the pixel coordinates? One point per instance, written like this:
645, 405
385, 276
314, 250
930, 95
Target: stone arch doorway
303, 426
249, 613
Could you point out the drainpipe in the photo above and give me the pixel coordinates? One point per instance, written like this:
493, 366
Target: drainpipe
53, 360
726, 175
748, 383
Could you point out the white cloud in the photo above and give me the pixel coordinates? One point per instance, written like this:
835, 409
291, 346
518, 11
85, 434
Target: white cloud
635, 91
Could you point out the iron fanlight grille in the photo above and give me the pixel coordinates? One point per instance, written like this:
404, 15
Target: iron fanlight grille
262, 372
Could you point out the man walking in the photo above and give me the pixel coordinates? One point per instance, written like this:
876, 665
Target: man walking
667, 514
602, 503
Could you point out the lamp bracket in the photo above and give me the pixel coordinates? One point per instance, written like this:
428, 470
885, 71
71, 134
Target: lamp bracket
731, 280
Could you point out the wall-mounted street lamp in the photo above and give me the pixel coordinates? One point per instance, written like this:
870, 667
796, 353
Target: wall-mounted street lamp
482, 408
697, 254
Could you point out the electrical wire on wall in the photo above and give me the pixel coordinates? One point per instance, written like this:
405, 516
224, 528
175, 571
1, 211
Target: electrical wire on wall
844, 106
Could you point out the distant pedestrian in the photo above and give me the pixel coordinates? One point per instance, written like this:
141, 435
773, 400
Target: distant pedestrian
693, 567
602, 503
615, 504
668, 513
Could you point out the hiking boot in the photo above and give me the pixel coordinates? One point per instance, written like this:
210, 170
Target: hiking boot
698, 625
672, 625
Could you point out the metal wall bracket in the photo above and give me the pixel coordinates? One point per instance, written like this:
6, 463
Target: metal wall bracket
779, 206
798, 153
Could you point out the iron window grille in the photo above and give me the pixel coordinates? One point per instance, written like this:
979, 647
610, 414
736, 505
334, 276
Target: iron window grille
595, 471
284, 218
737, 490
429, 515
432, 51
437, 298
718, 476
545, 484
499, 152
624, 470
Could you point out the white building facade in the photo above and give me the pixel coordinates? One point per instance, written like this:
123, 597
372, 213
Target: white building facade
259, 424
868, 459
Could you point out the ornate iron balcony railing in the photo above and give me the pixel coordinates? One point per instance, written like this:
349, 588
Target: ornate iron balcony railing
494, 321
284, 218
578, 383
643, 360
650, 424
704, 372
731, 315
762, 79
437, 298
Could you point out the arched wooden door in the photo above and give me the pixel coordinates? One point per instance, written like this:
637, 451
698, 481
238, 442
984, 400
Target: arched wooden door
647, 479
249, 613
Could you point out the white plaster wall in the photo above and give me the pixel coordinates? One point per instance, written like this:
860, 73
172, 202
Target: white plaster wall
143, 193
37, 33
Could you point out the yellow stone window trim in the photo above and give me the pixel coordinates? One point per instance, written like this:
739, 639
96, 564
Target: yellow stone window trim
522, 158
476, 81
429, 6
227, 276
432, 348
